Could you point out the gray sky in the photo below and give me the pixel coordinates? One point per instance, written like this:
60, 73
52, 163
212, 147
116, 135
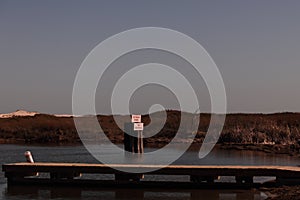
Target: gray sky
255, 44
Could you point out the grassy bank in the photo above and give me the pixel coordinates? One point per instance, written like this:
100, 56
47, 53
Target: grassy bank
241, 131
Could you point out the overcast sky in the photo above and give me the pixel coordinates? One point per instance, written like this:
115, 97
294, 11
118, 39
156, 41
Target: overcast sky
255, 44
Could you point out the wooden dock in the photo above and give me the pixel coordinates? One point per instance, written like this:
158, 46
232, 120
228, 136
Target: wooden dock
68, 173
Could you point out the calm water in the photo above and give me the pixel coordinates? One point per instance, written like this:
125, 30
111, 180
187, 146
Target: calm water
14, 153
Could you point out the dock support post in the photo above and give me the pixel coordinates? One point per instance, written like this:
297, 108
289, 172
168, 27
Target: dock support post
287, 180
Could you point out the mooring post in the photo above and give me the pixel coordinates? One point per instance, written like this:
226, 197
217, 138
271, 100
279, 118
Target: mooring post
29, 159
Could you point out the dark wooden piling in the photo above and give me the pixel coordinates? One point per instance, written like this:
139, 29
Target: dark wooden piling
133, 140
128, 143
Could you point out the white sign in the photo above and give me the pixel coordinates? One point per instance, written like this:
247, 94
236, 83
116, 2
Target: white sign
138, 126
136, 118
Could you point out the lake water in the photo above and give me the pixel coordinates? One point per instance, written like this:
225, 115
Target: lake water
15, 153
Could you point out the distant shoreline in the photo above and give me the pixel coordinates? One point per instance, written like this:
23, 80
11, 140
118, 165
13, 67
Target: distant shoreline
270, 133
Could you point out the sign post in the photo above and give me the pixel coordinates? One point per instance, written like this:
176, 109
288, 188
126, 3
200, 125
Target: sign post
133, 135
133, 142
139, 127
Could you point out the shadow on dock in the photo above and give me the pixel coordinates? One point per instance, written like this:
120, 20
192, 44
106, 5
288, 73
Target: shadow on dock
46, 192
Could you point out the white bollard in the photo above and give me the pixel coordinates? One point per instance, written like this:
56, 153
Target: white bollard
29, 157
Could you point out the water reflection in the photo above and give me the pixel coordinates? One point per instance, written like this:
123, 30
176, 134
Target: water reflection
31, 192
14, 153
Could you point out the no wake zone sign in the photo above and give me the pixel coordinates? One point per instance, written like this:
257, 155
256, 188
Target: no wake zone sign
138, 126
136, 118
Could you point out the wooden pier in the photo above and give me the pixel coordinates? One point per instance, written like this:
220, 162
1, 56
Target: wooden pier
68, 173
